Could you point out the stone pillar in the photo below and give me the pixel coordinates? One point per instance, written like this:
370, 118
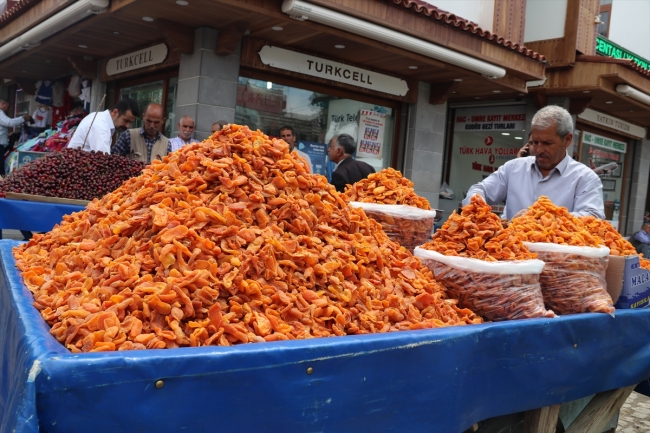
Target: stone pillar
639, 186
207, 83
425, 145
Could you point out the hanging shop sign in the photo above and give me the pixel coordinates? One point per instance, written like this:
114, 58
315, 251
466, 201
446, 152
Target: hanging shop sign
137, 59
511, 118
604, 142
371, 134
612, 123
605, 47
330, 70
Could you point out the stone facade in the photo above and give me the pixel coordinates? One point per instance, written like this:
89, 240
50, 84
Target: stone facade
425, 143
207, 83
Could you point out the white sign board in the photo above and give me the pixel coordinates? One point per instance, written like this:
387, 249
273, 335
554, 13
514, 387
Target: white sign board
330, 70
136, 60
604, 142
510, 118
371, 134
612, 122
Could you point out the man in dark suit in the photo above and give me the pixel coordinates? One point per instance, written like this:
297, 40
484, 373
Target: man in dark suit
348, 170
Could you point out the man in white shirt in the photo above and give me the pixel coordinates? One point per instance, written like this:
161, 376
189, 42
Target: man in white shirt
95, 132
550, 172
185, 131
287, 134
5, 123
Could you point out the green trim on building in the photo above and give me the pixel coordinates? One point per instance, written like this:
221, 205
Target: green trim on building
605, 47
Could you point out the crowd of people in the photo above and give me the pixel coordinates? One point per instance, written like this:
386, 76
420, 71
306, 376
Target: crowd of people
147, 143
542, 167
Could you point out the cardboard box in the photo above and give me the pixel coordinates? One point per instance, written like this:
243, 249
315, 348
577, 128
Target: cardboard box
25, 157
627, 283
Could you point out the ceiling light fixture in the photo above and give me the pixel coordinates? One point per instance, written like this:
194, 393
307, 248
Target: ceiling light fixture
301, 10
413, 67
496, 91
147, 19
181, 2
82, 46
586, 91
633, 93
458, 79
519, 138
277, 28
340, 47
505, 133
609, 102
116, 32
269, 85
60, 21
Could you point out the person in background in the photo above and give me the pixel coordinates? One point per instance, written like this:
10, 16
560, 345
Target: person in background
146, 143
641, 240
287, 134
552, 172
347, 170
216, 126
646, 217
95, 132
5, 123
185, 132
526, 149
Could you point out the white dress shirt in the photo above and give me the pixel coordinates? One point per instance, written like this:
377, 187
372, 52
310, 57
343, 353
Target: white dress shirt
100, 136
520, 183
306, 157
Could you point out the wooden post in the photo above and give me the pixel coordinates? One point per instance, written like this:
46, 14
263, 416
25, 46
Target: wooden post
600, 410
542, 420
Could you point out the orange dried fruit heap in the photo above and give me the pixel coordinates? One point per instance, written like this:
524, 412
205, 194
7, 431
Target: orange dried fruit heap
389, 187
479, 234
386, 187
608, 236
223, 242
571, 283
546, 222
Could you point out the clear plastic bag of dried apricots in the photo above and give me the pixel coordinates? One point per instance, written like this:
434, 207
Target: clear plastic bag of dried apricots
503, 290
573, 280
409, 226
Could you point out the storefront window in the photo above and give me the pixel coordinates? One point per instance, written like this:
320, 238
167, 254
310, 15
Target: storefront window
22, 103
147, 93
171, 123
607, 158
482, 141
316, 118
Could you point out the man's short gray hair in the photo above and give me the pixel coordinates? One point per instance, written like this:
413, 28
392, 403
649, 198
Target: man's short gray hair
554, 115
347, 143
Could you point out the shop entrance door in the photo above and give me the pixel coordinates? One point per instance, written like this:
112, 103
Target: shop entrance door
162, 92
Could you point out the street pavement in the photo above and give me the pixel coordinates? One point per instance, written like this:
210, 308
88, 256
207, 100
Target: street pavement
635, 415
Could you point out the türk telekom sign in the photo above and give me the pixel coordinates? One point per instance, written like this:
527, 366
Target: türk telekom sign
335, 71
137, 59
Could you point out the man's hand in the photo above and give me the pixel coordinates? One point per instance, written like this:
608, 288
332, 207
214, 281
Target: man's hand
523, 151
28, 118
520, 213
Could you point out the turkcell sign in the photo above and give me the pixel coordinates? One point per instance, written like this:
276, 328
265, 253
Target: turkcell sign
605, 47
137, 59
331, 70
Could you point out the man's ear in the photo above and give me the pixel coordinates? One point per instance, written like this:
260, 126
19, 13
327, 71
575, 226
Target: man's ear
568, 139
